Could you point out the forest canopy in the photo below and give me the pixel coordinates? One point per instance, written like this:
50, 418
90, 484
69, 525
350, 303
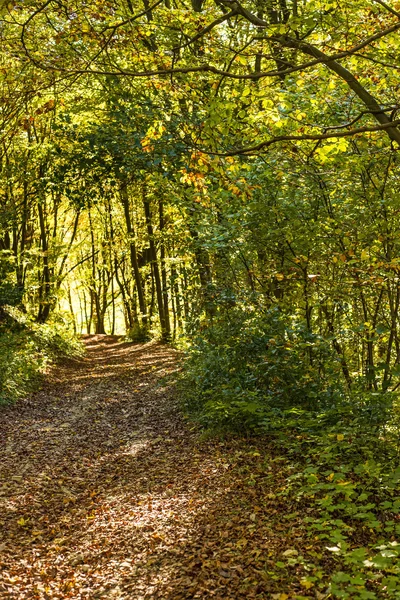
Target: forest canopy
165, 165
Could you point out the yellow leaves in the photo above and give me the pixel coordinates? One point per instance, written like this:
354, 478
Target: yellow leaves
200, 161
154, 132
267, 104
37, 532
290, 552
203, 163
278, 121
340, 437
146, 144
281, 28
236, 191
326, 152
189, 177
246, 92
306, 583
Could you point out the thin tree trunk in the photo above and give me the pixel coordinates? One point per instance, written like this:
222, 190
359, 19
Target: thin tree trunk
164, 270
186, 307
71, 309
133, 252
45, 288
338, 347
176, 295
156, 271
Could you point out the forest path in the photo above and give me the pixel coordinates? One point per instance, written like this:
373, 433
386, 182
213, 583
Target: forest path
106, 492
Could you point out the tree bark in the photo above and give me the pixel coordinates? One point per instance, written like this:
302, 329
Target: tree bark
133, 253
154, 262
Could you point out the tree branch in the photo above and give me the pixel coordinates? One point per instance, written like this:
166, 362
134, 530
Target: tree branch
201, 33
301, 138
388, 8
288, 42
370, 102
134, 18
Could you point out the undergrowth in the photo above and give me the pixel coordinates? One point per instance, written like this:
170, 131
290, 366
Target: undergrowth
27, 350
269, 376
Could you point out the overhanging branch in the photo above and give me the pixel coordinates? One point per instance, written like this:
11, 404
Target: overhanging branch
301, 138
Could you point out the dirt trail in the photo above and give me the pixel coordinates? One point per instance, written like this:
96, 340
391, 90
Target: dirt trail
106, 492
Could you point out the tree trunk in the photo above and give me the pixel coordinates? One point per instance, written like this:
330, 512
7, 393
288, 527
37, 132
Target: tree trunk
164, 270
156, 271
133, 253
45, 286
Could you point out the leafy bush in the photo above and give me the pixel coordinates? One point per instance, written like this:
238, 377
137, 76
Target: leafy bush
56, 341
138, 334
10, 292
20, 365
26, 351
347, 485
247, 370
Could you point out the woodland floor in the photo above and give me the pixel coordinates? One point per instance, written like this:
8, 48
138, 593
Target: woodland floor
107, 492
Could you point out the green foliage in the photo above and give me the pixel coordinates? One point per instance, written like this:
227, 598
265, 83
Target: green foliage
26, 351
138, 333
347, 484
10, 292
20, 366
252, 369
56, 341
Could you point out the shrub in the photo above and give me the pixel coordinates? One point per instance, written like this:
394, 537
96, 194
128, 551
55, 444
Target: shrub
248, 370
26, 351
138, 334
